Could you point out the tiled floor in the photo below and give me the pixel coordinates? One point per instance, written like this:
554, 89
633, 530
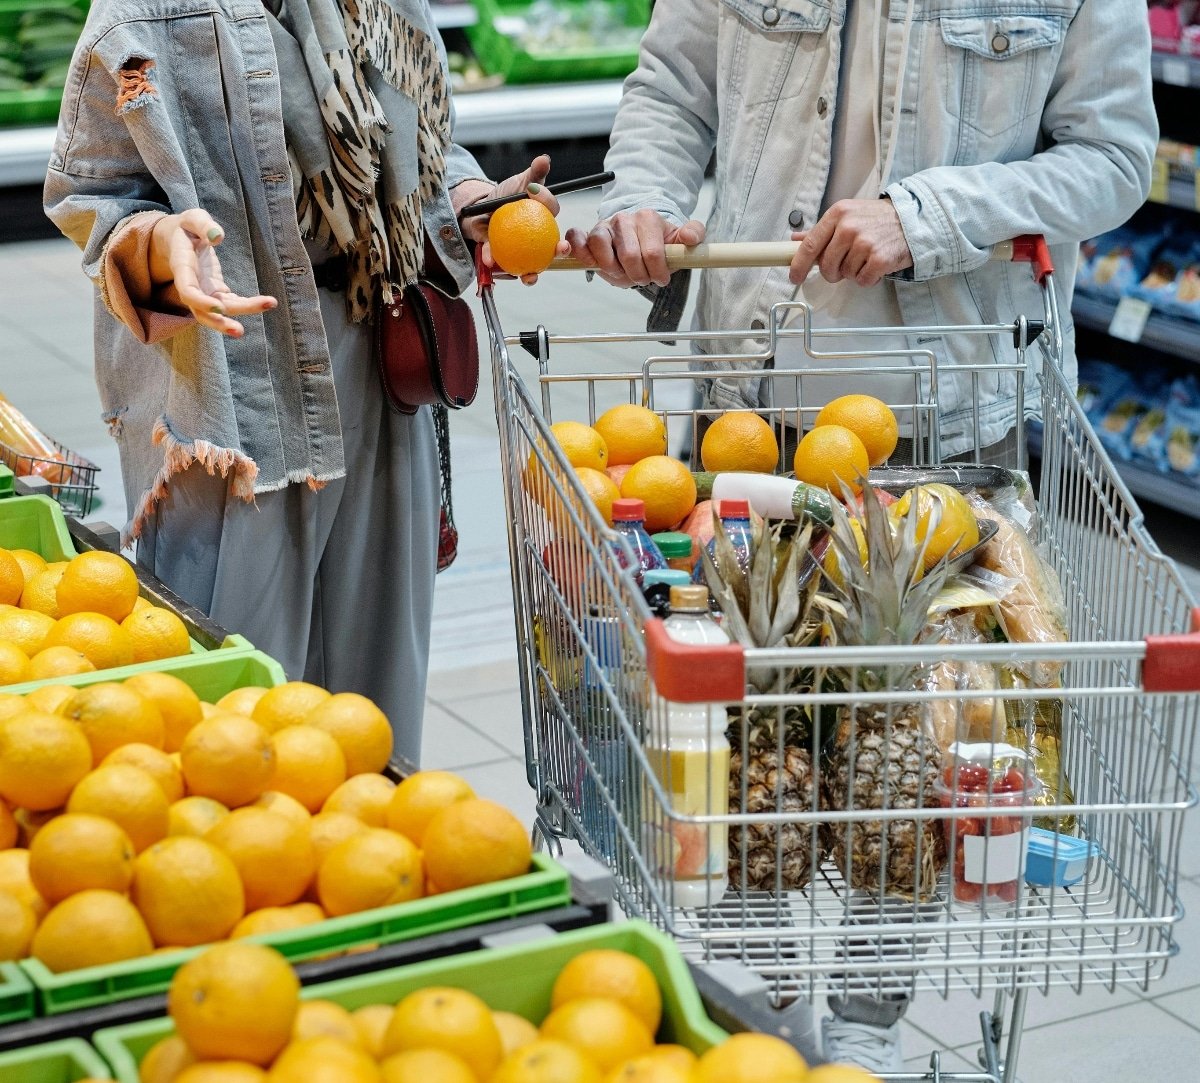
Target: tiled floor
473, 723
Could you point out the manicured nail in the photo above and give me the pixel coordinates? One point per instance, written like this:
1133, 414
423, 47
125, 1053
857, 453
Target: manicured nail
215, 234
534, 188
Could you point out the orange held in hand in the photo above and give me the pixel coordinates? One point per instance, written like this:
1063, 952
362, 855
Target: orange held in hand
523, 236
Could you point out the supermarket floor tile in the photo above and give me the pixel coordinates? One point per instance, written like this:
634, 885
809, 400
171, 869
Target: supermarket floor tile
448, 743
495, 715
503, 780
1136, 1041
1184, 1005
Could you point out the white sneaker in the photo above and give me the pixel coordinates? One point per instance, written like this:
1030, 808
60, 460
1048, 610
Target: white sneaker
875, 1048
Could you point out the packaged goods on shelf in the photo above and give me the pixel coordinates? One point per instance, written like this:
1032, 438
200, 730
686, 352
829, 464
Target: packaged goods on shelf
1175, 26
1112, 264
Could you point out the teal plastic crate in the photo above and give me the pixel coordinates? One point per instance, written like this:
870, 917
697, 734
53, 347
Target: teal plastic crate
501, 53
515, 979
33, 105
16, 995
66, 1061
545, 886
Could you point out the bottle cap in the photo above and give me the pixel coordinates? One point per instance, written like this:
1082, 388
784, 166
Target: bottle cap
672, 543
689, 599
734, 509
628, 509
672, 577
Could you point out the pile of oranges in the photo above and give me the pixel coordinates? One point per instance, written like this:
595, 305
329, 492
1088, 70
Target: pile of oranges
77, 616
135, 818
239, 1019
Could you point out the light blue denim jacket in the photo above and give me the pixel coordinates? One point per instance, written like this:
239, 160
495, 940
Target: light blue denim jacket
1016, 116
208, 132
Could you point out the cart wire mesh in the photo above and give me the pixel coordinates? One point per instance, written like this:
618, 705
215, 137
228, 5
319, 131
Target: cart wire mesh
71, 478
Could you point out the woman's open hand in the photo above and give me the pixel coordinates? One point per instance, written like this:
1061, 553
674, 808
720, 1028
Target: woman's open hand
183, 255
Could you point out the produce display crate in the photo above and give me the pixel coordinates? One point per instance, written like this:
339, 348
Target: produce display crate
6, 482
64, 1061
16, 995
33, 106
38, 523
501, 54
516, 979
546, 886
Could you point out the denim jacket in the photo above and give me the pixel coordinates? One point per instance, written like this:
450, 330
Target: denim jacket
1016, 116
204, 128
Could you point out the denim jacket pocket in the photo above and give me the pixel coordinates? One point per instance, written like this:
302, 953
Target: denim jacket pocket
999, 67
769, 46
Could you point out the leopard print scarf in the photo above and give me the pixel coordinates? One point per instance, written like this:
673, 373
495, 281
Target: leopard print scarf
349, 181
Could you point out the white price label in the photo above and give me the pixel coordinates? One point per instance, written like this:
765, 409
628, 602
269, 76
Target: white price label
1176, 72
1129, 321
995, 860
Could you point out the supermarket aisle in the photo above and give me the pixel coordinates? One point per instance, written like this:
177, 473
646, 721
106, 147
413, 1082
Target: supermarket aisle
473, 722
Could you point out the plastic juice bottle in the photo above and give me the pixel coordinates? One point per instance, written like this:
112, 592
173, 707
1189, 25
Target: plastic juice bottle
735, 521
689, 754
629, 520
676, 548
656, 586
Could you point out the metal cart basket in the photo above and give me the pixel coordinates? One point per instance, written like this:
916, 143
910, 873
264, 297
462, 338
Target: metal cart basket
598, 673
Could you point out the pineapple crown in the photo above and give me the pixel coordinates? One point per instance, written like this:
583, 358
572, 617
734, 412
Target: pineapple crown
764, 605
884, 601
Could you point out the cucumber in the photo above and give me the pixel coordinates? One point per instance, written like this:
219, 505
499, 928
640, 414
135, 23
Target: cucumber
807, 503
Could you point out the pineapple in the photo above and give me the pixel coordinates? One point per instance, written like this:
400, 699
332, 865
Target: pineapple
879, 755
771, 768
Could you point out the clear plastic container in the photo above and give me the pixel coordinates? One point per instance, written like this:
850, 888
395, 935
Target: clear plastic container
987, 854
690, 758
629, 520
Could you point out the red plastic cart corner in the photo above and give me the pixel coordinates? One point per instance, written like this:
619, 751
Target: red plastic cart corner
685, 673
1173, 662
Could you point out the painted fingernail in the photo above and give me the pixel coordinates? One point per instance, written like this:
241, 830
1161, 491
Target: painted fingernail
534, 188
215, 234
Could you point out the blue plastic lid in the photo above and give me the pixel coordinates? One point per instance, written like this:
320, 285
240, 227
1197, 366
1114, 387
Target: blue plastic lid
1066, 847
672, 577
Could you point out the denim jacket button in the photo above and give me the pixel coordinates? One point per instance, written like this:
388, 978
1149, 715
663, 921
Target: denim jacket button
822, 107
771, 16
1000, 43
757, 325
447, 233
796, 220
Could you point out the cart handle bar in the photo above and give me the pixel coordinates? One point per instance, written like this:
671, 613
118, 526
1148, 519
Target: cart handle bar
1030, 249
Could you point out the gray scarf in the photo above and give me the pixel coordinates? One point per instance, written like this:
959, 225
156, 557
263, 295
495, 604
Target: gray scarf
340, 63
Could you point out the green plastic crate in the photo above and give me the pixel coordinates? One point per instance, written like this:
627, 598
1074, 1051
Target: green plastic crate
545, 886
37, 523
6, 482
16, 995
33, 106
500, 54
65, 1061
516, 979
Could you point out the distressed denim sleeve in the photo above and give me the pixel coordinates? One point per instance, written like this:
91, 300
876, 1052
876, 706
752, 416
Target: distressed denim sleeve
97, 181
665, 129
1100, 129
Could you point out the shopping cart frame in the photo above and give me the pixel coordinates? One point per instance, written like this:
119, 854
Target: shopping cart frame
1139, 655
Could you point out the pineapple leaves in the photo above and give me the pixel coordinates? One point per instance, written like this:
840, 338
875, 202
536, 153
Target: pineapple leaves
762, 588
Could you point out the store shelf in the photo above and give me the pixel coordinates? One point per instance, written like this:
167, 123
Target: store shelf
510, 114
1175, 70
1143, 483
1178, 337
454, 16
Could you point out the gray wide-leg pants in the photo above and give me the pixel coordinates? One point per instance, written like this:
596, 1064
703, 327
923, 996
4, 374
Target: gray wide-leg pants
337, 584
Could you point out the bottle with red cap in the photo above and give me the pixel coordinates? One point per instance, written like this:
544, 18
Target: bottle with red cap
735, 521
629, 520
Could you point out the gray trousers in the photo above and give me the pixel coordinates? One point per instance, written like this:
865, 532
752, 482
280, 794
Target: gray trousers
337, 584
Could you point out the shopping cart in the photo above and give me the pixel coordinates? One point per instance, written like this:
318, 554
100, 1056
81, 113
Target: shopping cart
597, 673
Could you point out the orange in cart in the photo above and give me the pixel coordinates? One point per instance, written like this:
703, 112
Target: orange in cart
870, 419
631, 433
830, 457
523, 237
740, 440
665, 486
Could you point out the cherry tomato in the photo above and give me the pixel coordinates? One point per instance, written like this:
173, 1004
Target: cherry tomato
967, 893
1006, 891
967, 826
972, 776
1012, 781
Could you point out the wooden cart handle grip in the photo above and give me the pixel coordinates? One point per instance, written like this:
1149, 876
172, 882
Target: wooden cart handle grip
706, 256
